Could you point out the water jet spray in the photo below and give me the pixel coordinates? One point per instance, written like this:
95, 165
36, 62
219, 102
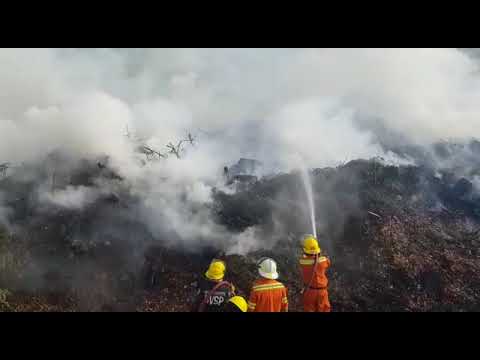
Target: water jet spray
309, 191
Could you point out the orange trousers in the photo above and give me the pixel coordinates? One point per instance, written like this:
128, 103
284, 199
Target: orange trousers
316, 301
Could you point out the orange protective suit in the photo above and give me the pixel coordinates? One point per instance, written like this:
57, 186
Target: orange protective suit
315, 297
268, 296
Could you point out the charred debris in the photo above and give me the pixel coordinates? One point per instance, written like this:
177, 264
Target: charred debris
401, 238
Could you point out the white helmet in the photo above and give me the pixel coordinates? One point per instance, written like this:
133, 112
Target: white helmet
267, 268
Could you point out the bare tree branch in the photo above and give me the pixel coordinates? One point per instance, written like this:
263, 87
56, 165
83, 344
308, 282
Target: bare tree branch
174, 149
150, 153
155, 154
190, 139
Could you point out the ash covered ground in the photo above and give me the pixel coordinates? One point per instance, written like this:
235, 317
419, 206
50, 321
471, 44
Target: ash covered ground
401, 238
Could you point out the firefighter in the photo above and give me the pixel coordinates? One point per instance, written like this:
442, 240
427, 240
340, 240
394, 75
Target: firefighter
236, 304
313, 268
267, 294
213, 292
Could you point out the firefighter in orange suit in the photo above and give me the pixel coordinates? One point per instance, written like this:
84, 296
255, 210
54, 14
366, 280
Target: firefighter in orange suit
268, 294
314, 266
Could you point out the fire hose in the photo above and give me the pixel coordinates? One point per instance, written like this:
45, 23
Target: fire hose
313, 275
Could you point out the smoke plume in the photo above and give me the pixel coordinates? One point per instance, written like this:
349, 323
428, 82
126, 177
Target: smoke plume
326, 105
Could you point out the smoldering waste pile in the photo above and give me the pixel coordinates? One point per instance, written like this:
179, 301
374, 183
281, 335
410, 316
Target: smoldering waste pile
400, 238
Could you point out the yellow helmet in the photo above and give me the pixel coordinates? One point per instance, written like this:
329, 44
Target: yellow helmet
239, 302
216, 270
310, 245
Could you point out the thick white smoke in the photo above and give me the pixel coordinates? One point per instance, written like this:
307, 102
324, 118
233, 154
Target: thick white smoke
271, 104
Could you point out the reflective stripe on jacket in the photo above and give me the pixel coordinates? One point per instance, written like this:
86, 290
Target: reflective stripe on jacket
268, 296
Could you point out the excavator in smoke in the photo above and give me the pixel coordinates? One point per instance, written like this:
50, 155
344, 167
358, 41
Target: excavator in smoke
242, 174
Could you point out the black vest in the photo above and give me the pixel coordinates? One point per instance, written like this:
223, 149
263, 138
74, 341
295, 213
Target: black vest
217, 300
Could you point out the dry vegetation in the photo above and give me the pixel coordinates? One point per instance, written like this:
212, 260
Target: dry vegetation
407, 241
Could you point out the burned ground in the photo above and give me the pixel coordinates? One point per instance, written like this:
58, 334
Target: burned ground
400, 239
